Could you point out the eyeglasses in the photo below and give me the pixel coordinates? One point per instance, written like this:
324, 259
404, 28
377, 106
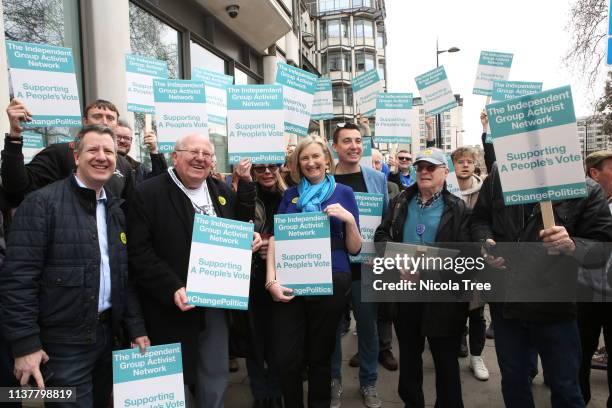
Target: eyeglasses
429, 167
196, 153
124, 138
376, 161
262, 169
404, 158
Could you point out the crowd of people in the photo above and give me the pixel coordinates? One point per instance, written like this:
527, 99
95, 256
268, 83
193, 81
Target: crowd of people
97, 254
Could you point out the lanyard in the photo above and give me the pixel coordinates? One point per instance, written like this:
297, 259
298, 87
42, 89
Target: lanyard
206, 208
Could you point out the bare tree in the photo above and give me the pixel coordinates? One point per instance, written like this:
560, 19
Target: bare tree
588, 27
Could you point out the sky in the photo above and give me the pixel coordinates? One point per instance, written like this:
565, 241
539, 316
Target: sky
535, 31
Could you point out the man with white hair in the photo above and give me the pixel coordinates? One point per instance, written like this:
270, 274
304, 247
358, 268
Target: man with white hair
161, 220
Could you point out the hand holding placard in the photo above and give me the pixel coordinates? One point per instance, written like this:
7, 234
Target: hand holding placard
180, 300
17, 113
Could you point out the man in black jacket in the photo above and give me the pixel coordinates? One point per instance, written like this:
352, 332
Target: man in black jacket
56, 161
426, 213
64, 288
581, 226
162, 212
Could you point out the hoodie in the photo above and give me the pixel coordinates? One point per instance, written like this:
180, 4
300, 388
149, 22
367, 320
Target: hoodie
470, 195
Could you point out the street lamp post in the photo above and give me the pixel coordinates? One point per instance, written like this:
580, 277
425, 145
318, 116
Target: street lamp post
439, 116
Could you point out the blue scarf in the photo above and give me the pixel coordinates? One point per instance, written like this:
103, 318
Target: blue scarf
313, 195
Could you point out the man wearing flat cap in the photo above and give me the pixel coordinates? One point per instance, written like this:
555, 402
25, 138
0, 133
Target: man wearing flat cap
424, 214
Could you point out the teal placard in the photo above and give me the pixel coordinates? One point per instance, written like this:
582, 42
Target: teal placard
258, 157
211, 78
136, 107
39, 57
364, 80
296, 129
311, 289
505, 90
394, 101
370, 204
255, 97
32, 140
221, 231
159, 361
535, 195
178, 91
218, 301
531, 112
496, 59
296, 78
59, 121
430, 77
443, 108
146, 66
301, 226
323, 84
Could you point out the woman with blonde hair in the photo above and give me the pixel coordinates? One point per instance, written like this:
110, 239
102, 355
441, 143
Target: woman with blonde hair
305, 326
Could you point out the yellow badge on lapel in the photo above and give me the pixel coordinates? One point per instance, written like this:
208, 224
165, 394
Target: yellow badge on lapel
295, 200
222, 200
123, 238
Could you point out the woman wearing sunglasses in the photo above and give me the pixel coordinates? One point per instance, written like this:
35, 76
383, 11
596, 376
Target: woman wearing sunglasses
305, 326
263, 374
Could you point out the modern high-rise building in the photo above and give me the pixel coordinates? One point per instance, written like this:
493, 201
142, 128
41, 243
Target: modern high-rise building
591, 135
350, 39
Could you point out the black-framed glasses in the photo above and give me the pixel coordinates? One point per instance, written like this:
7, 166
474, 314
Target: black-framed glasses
262, 169
404, 158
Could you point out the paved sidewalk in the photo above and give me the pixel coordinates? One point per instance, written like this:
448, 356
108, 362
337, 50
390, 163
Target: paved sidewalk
476, 394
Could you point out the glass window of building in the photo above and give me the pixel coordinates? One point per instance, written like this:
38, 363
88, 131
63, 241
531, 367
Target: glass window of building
380, 40
381, 70
338, 96
151, 37
323, 30
334, 61
362, 3
344, 27
202, 58
332, 5
324, 69
348, 95
346, 57
53, 22
288, 4
363, 29
333, 28
364, 61
242, 78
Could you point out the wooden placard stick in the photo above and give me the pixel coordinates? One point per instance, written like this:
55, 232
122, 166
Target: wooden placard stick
548, 217
148, 123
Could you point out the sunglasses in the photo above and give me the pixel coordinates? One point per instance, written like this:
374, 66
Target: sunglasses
429, 167
404, 158
262, 169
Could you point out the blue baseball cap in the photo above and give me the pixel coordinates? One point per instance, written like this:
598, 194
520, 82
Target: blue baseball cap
431, 155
